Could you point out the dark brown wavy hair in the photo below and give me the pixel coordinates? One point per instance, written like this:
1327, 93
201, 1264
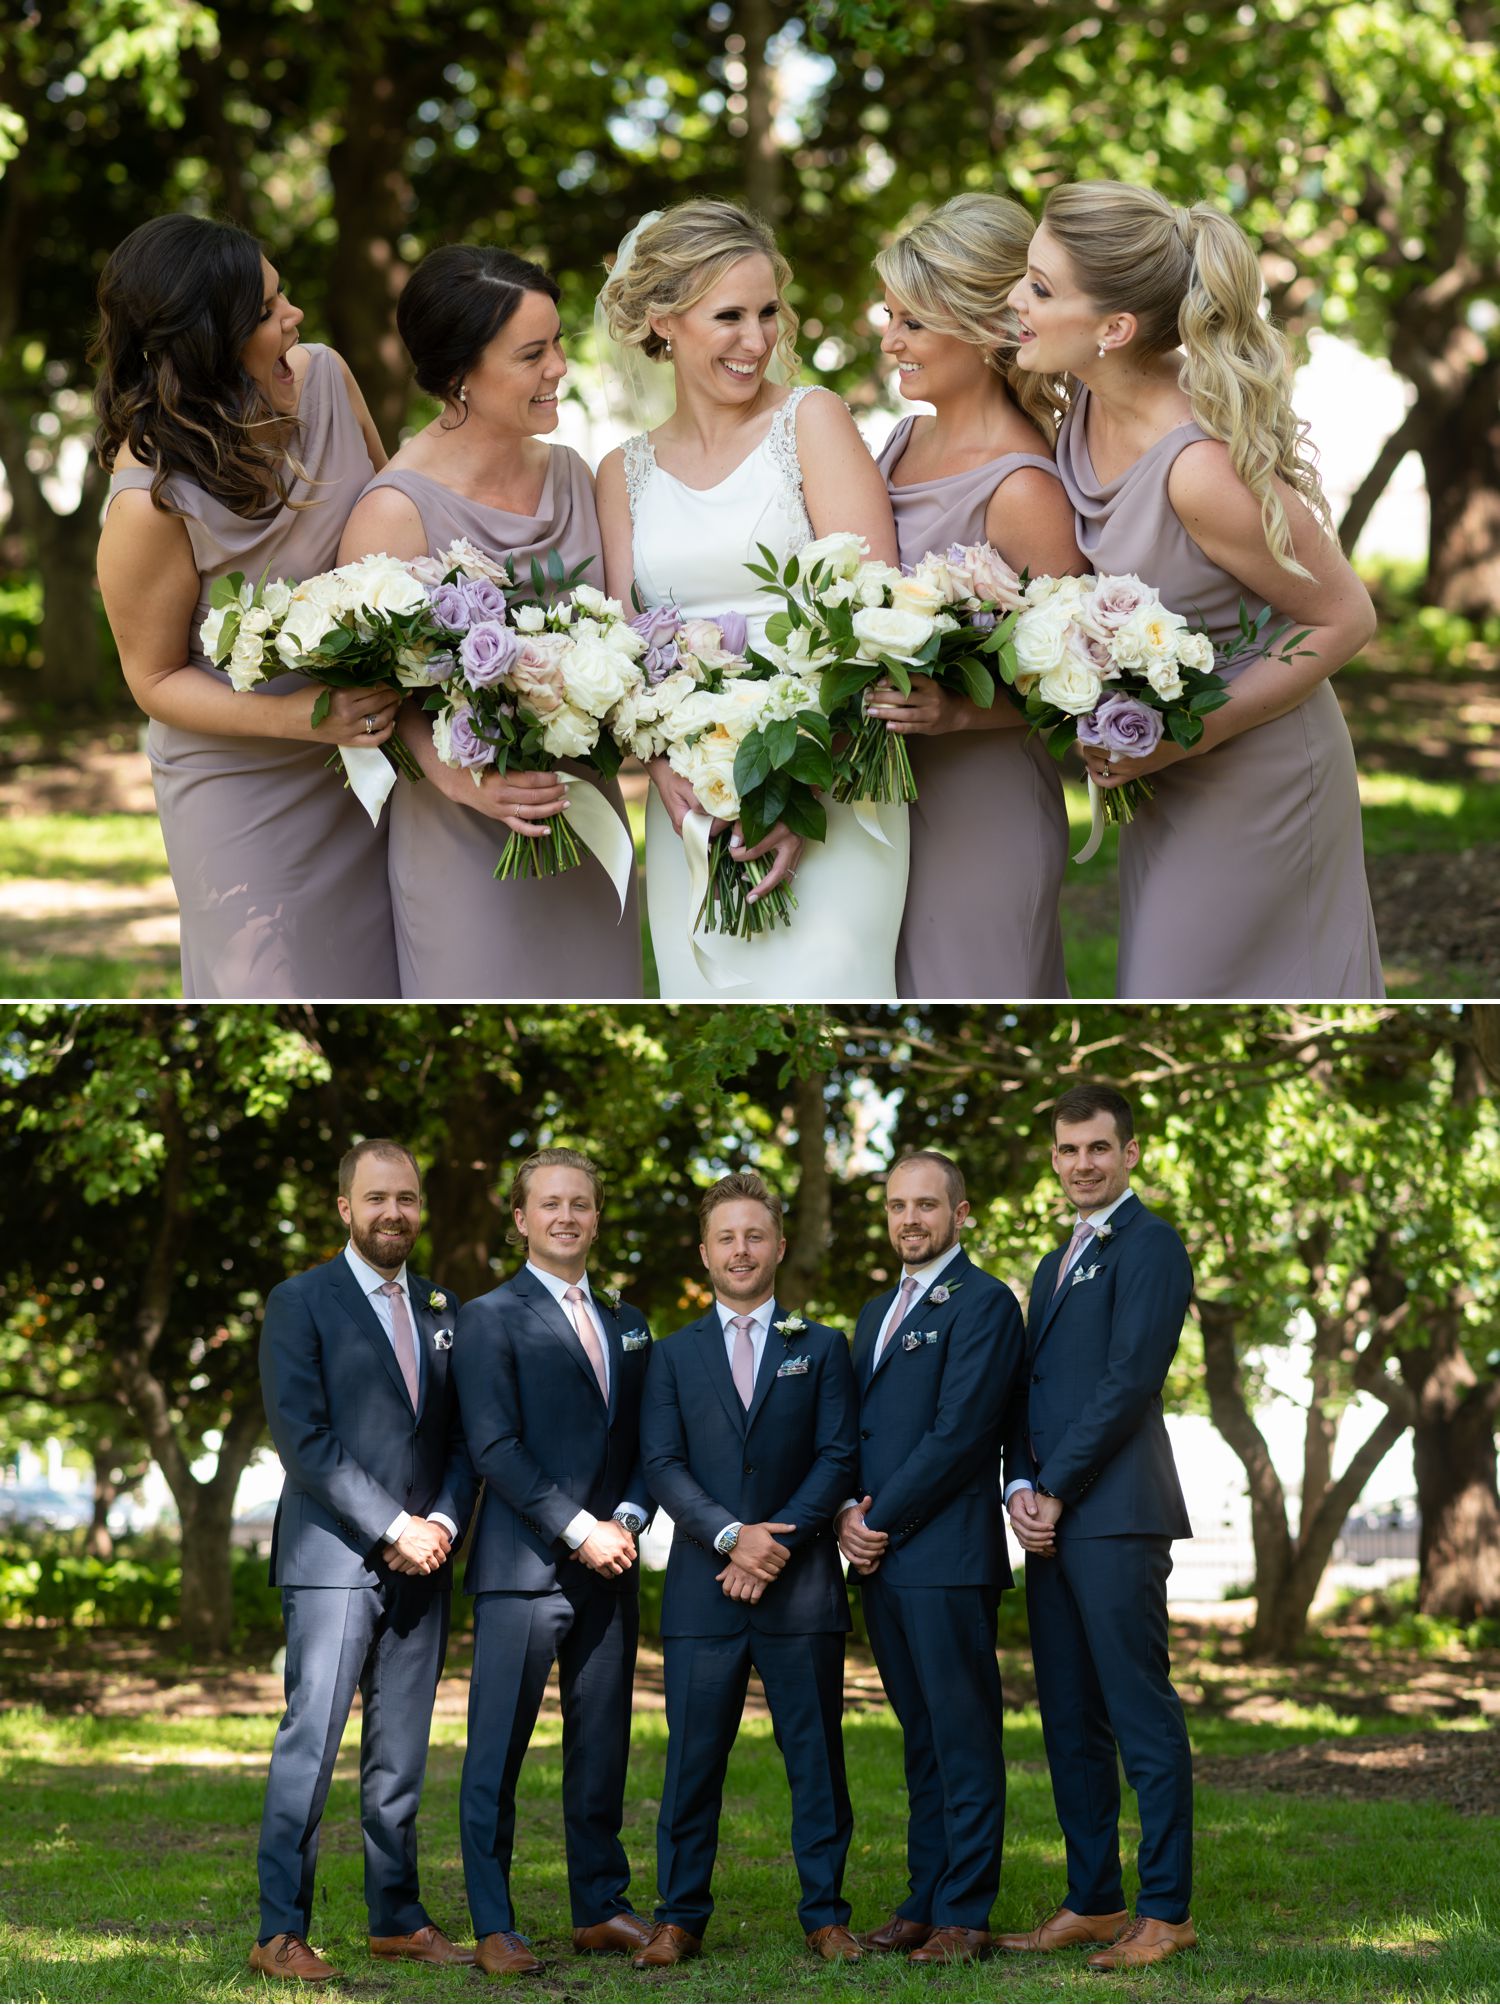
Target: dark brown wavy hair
178, 300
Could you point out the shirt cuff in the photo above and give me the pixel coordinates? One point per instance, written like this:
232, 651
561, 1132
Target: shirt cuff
1021, 1483
398, 1526
737, 1526
578, 1529
635, 1510
441, 1518
849, 1504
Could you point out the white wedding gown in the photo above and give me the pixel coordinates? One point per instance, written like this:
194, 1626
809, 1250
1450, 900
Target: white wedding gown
691, 548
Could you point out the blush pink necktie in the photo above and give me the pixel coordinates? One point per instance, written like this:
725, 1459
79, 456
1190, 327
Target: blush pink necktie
582, 1320
405, 1343
897, 1316
1081, 1231
743, 1367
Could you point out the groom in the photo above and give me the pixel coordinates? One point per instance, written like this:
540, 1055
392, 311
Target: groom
354, 1369
1094, 1498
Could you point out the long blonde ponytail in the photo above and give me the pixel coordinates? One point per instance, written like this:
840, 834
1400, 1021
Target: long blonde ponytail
1190, 277
955, 269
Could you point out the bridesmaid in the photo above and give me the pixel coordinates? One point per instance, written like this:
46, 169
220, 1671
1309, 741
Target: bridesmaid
235, 448
482, 329
989, 833
1186, 466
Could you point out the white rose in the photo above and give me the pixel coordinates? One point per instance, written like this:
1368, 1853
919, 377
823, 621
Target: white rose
936, 575
708, 768
1067, 591
595, 677
1071, 686
799, 656
1165, 677
256, 621
530, 620
306, 626
704, 641
1148, 638
329, 589
442, 736
276, 597
839, 554
890, 630
593, 601
1041, 636
212, 630
917, 595
245, 662
568, 734
1195, 651
785, 696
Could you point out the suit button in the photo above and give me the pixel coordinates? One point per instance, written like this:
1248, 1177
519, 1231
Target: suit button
749, 1468
864, 1434
1036, 1378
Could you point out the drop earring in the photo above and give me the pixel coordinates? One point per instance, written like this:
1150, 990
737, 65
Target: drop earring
669, 347
463, 390
1101, 350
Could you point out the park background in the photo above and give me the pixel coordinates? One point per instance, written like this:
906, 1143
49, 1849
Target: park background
1357, 142
1336, 1176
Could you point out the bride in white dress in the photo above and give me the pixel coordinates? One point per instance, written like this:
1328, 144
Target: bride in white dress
740, 461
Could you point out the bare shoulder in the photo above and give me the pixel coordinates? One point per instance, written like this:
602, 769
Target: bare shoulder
1202, 484
610, 477
822, 416
133, 521
384, 511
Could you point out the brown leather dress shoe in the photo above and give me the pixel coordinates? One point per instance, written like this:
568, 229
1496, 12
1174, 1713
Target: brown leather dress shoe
954, 1945
505, 1954
834, 1944
1065, 1929
897, 1933
666, 1945
624, 1933
289, 1956
427, 1945
1147, 1940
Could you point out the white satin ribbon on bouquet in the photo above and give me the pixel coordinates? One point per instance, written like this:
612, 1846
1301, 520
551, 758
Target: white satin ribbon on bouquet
867, 814
1096, 827
695, 840
371, 777
601, 832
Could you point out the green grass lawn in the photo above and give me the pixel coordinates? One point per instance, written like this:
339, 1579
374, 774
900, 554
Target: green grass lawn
128, 1872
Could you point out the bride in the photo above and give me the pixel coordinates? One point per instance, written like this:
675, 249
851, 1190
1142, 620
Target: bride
741, 460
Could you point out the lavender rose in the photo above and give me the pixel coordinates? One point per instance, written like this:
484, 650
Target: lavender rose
1120, 727
450, 608
464, 743
658, 628
734, 631
1114, 598
485, 598
486, 652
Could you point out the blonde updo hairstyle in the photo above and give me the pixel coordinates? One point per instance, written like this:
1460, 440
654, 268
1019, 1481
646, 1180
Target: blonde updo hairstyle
1191, 279
678, 259
955, 270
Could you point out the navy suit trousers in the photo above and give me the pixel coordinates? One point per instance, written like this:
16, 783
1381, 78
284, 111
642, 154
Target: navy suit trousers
388, 1643
1098, 1615
935, 1650
590, 1631
707, 1678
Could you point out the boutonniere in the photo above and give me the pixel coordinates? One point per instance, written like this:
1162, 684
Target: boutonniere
914, 1339
442, 1340
437, 1300
1083, 1274
789, 1327
634, 1340
1103, 1232
940, 1293
794, 1367
610, 1297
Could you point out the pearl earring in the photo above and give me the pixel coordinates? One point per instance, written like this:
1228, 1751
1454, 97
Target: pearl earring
669, 347
1101, 349
463, 389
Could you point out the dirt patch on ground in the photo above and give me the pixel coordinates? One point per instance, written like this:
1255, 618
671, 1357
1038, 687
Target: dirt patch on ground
1458, 1770
1438, 912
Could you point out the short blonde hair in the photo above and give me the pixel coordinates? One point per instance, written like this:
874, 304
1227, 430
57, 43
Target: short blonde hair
679, 258
737, 1186
1191, 276
549, 1159
955, 269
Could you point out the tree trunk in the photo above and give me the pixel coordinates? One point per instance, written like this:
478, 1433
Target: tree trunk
1461, 461
1409, 436
762, 156
99, 1543
1453, 1452
466, 1224
803, 1269
62, 546
206, 1618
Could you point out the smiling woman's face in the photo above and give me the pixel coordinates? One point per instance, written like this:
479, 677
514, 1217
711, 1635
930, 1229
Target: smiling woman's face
264, 354
514, 384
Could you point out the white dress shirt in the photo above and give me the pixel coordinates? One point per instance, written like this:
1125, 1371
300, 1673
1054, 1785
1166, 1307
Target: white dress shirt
372, 1282
583, 1524
760, 1325
1094, 1218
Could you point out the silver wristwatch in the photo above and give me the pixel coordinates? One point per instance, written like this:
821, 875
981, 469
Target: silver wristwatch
728, 1539
633, 1524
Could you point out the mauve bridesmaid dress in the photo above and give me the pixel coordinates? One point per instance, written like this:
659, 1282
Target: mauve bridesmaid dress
1245, 876
989, 832
280, 877
458, 932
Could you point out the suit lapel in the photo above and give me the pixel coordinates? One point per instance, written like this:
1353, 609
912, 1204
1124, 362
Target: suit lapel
1096, 1252
716, 1357
548, 1311
356, 1305
949, 1275
609, 1322
770, 1363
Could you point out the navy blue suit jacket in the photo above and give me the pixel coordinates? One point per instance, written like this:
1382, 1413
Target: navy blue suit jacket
789, 1460
540, 1433
1088, 1421
931, 1417
355, 1454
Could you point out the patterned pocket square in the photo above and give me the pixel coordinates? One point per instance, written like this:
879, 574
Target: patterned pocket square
1083, 1274
794, 1367
442, 1340
914, 1339
634, 1340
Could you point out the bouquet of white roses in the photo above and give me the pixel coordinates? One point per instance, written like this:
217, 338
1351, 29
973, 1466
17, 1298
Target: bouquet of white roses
530, 685
357, 627
1103, 661
751, 742
851, 620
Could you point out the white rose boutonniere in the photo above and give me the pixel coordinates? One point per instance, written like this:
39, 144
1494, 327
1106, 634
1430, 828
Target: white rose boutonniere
789, 1328
437, 1299
941, 1292
610, 1297
1104, 1231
